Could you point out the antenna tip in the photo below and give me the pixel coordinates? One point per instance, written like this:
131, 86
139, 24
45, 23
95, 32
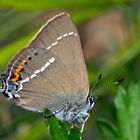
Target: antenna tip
119, 81
100, 76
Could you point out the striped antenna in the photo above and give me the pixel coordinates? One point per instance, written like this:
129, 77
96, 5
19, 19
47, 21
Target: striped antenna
105, 86
96, 83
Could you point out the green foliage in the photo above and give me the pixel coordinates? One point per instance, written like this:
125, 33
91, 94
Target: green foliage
19, 20
128, 112
128, 116
59, 129
61, 4
74, 134
108, 129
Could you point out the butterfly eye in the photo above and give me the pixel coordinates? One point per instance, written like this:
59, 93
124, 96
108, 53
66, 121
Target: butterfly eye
91, 101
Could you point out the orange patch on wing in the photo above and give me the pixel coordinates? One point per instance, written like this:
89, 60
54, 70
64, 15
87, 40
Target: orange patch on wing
16, 76
19, 68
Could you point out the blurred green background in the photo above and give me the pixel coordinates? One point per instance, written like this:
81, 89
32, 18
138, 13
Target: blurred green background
110, 36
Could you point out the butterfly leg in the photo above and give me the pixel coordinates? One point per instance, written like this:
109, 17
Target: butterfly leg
53, 114
82, 119
86, 116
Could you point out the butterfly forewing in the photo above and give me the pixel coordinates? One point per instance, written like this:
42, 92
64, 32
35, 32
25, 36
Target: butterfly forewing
55, 72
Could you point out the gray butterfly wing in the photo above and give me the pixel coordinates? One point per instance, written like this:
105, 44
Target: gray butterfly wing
55, 73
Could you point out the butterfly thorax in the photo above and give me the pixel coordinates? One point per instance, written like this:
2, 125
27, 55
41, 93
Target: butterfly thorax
76, 112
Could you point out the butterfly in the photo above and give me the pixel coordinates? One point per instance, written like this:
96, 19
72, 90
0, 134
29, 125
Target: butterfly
50, 72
